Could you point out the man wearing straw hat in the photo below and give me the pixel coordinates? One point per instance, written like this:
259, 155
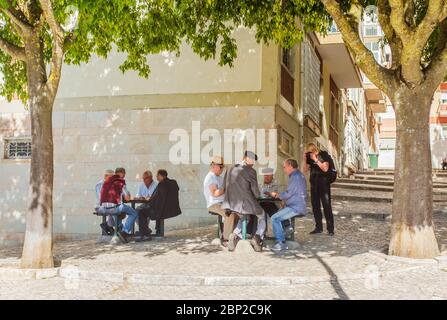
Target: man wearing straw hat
213, 190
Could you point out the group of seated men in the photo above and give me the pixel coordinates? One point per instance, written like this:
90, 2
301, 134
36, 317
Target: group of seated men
162, 202
237, 193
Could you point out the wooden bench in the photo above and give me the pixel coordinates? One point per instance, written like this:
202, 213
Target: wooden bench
159, 224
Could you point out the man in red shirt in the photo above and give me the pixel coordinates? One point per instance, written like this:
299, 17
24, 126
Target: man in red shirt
112, 193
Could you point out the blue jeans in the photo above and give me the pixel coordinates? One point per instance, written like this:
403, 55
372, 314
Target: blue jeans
281, 215
132, 216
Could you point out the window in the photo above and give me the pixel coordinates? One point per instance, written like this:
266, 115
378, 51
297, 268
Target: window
18, 148
333, 28
335, 110
444, 132
288, 57
374, 48
443, 98
285, 142
287, 75
371, 25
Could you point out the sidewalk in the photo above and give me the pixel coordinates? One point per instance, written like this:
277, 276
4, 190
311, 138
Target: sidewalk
190, 261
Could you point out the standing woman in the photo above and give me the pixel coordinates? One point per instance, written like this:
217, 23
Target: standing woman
320, 189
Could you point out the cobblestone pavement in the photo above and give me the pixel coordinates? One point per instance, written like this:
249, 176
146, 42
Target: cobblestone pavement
339, 267
420, 283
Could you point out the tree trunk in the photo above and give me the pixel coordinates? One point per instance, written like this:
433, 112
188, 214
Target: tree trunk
38, 246
412, 231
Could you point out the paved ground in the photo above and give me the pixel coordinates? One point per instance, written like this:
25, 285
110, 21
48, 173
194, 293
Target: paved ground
323, 267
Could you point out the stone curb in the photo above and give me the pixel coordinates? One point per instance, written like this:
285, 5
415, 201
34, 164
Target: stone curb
440, 260
73, 274
28, 274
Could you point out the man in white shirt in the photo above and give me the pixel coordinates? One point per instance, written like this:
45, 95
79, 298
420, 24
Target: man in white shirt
147, 187
213, 191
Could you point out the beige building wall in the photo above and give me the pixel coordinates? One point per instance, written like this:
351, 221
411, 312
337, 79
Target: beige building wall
95, 129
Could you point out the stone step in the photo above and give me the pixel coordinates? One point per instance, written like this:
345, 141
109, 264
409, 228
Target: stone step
372, 209
377, 173
436, 191
440, 174
344, 194
373, 177
436, 179
392, 170
381, 182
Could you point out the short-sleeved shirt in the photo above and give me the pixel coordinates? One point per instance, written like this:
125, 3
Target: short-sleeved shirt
210, 179
315, 170
98, 192
146, 192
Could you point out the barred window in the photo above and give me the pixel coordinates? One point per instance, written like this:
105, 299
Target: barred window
18, 148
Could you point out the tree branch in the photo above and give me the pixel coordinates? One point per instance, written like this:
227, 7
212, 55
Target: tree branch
58, 45
381, 77
16, 52
17, 18
413, 50
431, 20
397, 20
395, 43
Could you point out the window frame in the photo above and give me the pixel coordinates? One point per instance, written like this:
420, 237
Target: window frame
7, 141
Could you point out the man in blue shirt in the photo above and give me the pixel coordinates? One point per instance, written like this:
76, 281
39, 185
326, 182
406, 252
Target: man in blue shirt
295, 199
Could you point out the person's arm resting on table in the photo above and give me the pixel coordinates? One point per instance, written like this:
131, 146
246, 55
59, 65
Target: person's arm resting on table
216, 192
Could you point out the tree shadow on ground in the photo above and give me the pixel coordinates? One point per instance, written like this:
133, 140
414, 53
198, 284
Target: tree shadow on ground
354, 236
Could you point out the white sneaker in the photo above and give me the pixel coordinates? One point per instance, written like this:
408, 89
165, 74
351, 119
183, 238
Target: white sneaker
279, 246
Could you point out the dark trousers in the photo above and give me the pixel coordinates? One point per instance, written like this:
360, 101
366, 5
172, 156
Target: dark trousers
320, 193
144, 213
270, 209
444, 166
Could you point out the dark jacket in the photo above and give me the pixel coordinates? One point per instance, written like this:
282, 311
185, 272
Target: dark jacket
242, 190
164, 202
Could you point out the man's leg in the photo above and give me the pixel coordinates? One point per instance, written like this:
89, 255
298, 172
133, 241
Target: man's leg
238, 230
283, 214
143, 222
262, 225
132, 216
316, 205
236, 235
228, 221
110, 221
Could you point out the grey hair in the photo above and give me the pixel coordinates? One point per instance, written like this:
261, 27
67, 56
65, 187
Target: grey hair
292, 162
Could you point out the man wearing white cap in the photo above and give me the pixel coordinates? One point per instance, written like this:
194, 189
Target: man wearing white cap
269, 184
241, 193
213, 190
271, 208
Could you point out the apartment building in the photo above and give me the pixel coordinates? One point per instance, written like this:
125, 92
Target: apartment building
104, 119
